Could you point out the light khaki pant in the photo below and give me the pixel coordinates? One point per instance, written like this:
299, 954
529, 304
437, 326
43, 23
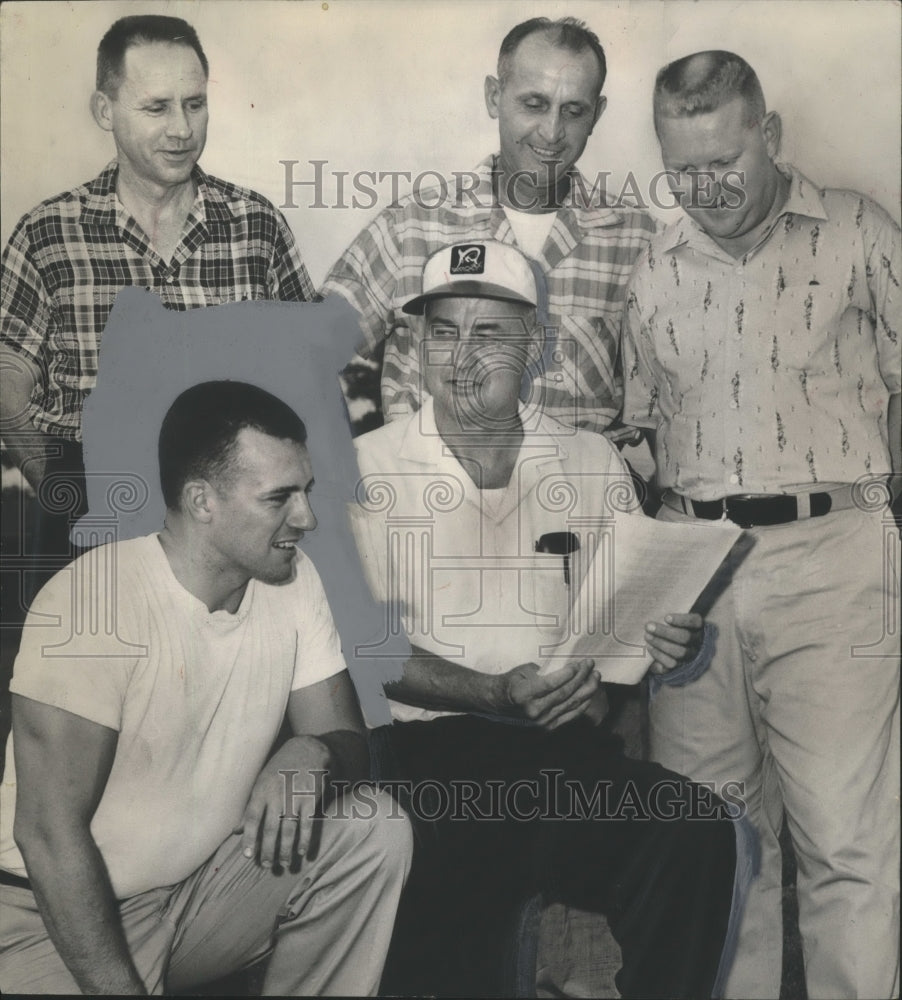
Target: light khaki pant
801, 705
327, 927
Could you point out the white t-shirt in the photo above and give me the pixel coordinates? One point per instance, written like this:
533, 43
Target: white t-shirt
196, 697
530, 228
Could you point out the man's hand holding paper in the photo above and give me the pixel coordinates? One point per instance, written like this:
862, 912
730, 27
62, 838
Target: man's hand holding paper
674, 641
631, 609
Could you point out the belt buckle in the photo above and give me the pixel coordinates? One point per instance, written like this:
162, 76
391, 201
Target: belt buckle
737, 518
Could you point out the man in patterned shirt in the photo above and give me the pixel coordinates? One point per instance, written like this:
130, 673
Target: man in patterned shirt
152, 219
547, 100
762, 350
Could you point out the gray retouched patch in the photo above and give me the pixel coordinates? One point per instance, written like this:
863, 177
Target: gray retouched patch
150, 354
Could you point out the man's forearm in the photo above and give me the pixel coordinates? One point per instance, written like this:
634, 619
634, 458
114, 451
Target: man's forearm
29, 451
26, 445
430, 681
81, 913
349, 755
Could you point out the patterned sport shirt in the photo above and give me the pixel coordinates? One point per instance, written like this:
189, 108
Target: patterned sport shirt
586, 260
771, 372
68, 258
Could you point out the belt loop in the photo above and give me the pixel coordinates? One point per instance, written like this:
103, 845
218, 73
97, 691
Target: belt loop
803, 506
723, 509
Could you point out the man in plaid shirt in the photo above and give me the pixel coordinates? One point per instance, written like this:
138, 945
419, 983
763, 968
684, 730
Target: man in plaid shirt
547, 100
151, 219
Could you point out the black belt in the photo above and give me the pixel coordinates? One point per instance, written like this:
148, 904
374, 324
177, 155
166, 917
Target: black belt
752, 512
16, 881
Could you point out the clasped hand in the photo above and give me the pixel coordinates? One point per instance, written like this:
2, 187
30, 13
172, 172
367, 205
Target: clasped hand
553, 699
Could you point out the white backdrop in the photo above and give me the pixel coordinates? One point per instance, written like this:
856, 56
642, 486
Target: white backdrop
397, 85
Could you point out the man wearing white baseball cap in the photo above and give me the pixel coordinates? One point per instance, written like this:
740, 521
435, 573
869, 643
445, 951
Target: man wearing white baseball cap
475, 270
482, 743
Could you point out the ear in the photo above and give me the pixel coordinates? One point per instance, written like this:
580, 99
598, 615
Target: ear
772, 130
102, 110
492, 95
600, 105
196, 500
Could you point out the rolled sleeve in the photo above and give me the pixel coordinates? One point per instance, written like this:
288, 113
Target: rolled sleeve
25, 306
288, 277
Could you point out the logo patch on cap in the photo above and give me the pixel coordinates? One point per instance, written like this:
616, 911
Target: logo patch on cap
468, 258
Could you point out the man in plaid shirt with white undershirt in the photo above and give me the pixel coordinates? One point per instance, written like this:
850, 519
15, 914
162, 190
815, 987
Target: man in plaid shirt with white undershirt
547, 100
151, 219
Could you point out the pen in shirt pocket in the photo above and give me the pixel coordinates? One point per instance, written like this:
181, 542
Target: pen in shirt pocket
559, 543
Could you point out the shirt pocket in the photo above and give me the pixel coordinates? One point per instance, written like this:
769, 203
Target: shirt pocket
677, 328
806, 320
545, 595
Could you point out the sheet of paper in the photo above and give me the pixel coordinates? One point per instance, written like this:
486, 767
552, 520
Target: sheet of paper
640, 570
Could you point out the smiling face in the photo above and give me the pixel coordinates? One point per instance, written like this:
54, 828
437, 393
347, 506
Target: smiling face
732, 204
546, 110
158, 115
474, 354
260, 509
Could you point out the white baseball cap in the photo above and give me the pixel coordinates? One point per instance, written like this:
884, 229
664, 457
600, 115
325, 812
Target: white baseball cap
486, 270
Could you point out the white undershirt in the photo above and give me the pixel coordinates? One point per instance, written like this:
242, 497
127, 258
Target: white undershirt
530, 228
493, 500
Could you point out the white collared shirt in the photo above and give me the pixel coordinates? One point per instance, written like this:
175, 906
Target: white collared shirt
463, 564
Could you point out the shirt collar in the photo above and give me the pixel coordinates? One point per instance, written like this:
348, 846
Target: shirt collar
595, 210
804, 199
101, 206
196, 607
422, 445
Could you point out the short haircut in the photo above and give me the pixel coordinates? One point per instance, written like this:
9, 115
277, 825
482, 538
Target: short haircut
705, 81
200, 430
565, 33
140, 29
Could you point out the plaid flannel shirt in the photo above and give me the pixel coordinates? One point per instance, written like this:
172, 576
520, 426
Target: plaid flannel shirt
68, 259
586, 260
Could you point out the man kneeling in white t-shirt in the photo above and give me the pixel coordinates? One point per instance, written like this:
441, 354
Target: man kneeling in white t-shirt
147, 843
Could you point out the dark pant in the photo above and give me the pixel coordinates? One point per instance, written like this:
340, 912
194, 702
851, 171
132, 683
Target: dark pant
35, 532
35, 546
502, 812
61, 500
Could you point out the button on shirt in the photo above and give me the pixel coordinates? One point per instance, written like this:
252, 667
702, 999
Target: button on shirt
68, 259
586, 260
771, 372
